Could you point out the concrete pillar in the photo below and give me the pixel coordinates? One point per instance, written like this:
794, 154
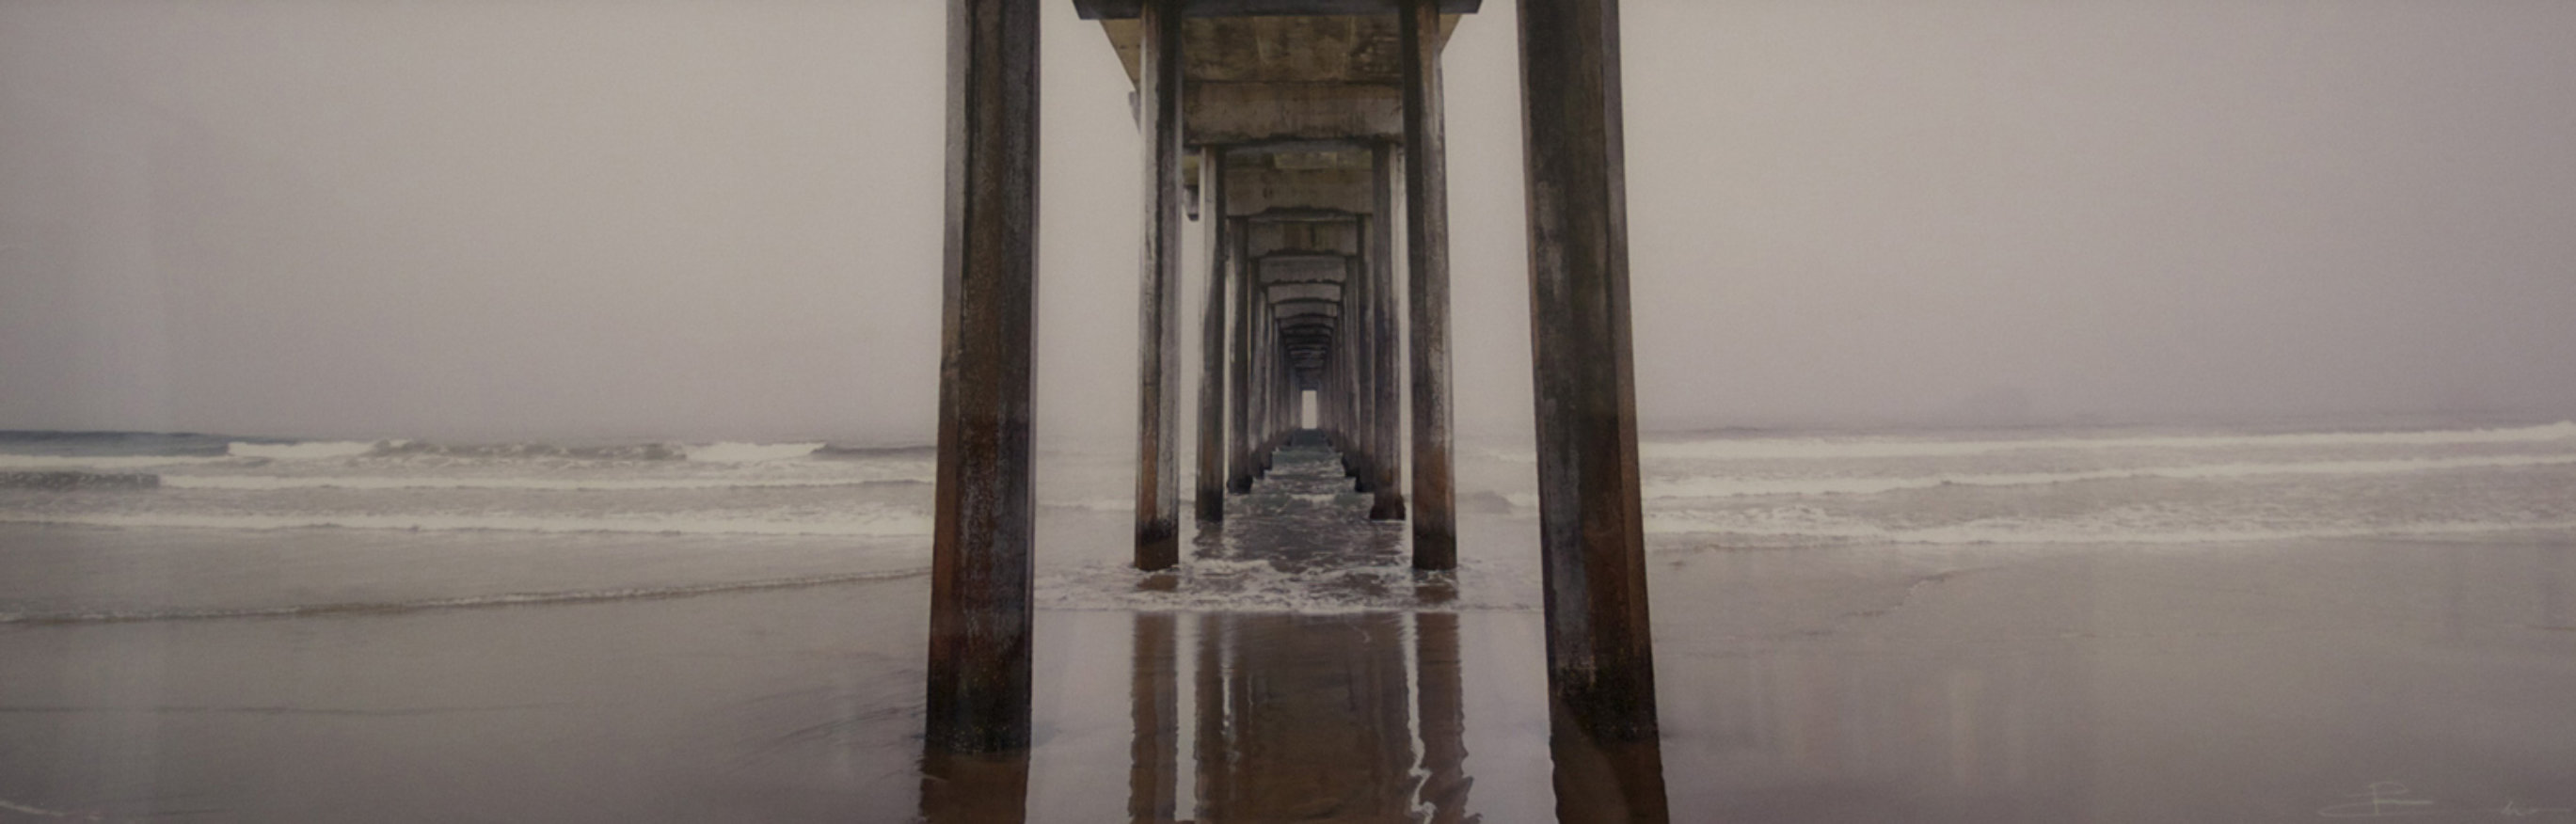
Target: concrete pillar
1211, 474
1238, 477
1362, 356
1385, 438
1426, 192
1158, 92
1601, 671
978, 680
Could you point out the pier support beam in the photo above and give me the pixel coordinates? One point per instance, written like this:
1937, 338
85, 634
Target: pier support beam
1426, 192
1211, 453
978, 690
1158, 345
1239, 440
1386, 417
1601, 672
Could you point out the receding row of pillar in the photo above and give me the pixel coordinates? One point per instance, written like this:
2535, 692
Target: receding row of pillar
1598, 646
1344, 346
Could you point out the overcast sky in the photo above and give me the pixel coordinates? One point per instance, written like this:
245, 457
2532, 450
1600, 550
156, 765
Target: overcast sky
708, 219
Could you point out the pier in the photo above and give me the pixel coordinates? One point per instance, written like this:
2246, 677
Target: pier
1297, 134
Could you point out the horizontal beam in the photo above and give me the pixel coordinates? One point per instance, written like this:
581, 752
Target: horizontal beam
1126, 9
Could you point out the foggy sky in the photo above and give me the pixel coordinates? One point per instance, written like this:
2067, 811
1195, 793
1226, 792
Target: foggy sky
708, 220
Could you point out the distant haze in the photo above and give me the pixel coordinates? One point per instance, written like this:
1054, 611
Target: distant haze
615, 219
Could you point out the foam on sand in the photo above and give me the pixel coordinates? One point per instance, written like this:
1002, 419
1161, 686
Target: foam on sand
730, 452
300, 450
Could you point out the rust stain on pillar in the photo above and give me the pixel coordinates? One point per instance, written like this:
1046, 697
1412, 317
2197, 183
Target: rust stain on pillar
980, 619
1601, 673
1426, 191
1158, 346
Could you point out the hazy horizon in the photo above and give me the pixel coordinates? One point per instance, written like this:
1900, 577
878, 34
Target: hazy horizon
577, 219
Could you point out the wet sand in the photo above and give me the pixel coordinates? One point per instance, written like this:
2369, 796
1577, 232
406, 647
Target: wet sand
2248, 682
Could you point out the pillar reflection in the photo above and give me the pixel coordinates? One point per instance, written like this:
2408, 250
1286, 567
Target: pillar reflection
958, 788
1302, 717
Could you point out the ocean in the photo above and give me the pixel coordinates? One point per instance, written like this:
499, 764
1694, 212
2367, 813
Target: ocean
2001, 624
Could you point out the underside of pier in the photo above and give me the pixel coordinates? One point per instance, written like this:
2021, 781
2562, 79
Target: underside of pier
1306, 140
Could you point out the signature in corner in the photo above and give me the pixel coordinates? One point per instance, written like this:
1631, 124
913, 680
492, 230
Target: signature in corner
2514, 809
2383, 799
2389, 799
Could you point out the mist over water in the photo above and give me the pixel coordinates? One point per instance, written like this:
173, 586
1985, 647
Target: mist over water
582, 220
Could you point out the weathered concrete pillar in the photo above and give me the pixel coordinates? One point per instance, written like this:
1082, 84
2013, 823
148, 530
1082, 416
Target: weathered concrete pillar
1601, 669
1238, 478
978, 690
1426, 192
1158, 92
1385, 438
1357, 328
1211, 474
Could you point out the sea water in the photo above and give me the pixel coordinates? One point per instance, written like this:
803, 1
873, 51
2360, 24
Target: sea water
871, 505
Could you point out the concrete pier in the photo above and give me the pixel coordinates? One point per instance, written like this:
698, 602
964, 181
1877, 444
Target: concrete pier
1426, 190
1386, 438
1601, 671
1312, 120
1158, 346
1211, 478
980, 620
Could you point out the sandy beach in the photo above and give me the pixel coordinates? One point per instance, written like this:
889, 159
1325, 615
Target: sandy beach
2230, 682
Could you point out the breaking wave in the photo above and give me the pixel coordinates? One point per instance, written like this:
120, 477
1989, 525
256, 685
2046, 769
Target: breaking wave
273, 482
304, 450
751, 452
1725, 487
466, 602
885, 524
1863, 447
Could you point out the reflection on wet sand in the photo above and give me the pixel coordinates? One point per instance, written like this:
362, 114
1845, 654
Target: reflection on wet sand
962, 788
1350, 718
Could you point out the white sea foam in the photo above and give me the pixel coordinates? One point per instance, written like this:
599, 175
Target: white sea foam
870, 525
1777, 528
103, 463
462, 602
1874, 447
274, 482
301, 450
1726, 487
751, 452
